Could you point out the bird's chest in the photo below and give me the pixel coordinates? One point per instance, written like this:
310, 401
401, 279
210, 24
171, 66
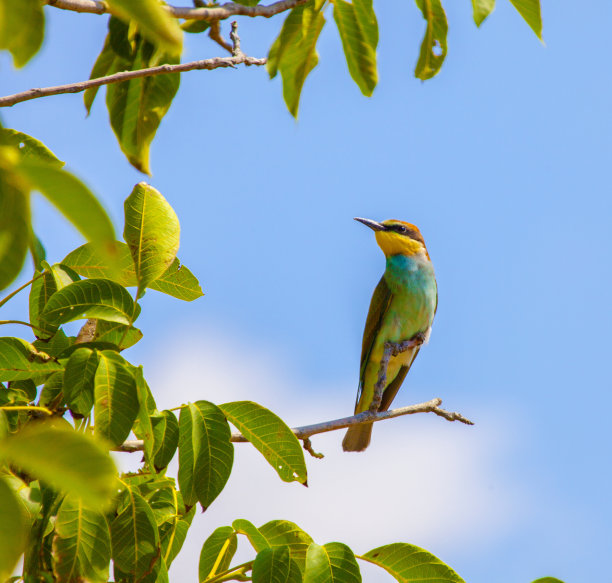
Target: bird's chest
413, 287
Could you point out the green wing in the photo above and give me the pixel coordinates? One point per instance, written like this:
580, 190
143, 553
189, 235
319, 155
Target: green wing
381, 300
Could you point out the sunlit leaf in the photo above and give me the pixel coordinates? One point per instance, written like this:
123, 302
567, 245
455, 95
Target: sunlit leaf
90, 298
177, 281
116, 398
282, 533
276, 566
271, 436
433, 47
22, 28
331, 563
358, 30
531, 12
153, 22
120, 335
482, 9
151, 232
81, 546
69, 461
217, 552
30, 147
101, 68
294, 51
20, 360
411, 564
548, 580
206, 454
12, 530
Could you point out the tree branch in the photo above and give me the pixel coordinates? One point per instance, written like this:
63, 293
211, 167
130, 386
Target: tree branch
210, 14
306, 431
208, 64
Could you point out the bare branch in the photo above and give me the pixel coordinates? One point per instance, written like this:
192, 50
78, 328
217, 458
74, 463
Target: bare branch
208, 64
212, 13
307, 431
215, 34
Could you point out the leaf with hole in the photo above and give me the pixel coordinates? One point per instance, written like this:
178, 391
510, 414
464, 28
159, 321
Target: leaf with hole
270, 436
409, 563
151, 232
30, 147
206, 454
433, 47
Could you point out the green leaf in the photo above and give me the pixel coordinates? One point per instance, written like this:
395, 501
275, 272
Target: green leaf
178, 282
79, 380
56, 345
101, 67
72, 198
333, 563
358, 30
91, 298
20, 360
51, 394
120, 335
257, 540
62, 274
136, 107
116, 398
172, 536
275, 566
43, 287
38, 251
12, 530
531, 12
30, 147
282, 533
206, 454
81, 546
22, 28
548, 580
294, 51
153, 22
14, 224
482, 9
69, 461
217, 552
134, 537
165, 438
408, 564
143, 429
270, 436
433, 47
151, 232
195, 26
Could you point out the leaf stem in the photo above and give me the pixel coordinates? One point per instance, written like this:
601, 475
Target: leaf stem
20, 322
14, 293
227, 575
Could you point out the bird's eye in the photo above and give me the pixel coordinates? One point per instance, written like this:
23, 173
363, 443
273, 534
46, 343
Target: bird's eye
403, 229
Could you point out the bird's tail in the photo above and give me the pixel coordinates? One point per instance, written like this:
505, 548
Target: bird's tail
357, 438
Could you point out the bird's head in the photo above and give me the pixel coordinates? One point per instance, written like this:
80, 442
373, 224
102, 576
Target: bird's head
397, 237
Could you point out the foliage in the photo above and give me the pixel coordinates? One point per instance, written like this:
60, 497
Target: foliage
66, 400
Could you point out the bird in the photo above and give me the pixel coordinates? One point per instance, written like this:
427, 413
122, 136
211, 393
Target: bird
402, 308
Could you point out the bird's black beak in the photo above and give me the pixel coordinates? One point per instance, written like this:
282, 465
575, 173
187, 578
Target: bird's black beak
372, 224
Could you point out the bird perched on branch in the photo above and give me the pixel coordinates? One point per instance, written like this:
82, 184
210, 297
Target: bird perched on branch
402, 308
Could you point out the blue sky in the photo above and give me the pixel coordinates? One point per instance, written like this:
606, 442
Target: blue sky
502, 161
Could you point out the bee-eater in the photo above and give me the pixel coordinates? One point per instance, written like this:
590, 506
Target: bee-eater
402, 308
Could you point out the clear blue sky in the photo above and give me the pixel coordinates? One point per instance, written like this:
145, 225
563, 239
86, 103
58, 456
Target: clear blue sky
502, 161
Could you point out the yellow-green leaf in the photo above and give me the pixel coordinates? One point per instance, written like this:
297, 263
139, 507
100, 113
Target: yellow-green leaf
22, 28
12, 530
482, 9
275, 566
530, 10
217, 552
358, 30
30, 147
331, 563
282, 533
20, 360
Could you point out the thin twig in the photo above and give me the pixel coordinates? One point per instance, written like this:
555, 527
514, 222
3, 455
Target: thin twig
306, 431
307, 445
208, 64
236, 50
215, 34
212, 13
20, 322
